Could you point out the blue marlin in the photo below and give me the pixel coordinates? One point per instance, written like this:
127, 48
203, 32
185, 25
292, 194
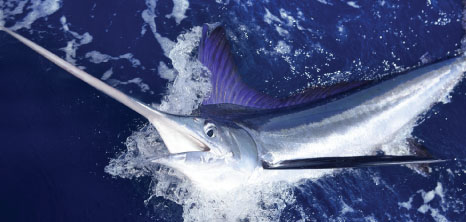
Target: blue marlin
238, 130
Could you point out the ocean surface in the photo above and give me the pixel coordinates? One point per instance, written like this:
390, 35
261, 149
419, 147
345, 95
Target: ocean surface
71, 153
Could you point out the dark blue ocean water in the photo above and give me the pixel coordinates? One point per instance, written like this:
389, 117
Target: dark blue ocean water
58, 134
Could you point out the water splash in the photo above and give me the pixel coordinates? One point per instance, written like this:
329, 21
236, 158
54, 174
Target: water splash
191, 84
9, 10
260, 202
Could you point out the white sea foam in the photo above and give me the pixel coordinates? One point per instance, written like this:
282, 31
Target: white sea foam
39, 9
269, 17
148, 15
137, 81
107, 74
286, 21
345, 208
353, 4
407, 204
179, 10
165, 72
2, 22
283, 26
281, 31
19, 7
225, 2
191, 85
98, 57
370, 218
10, 9
282, 47
325, 2
290, 20
73, 45
434, 202
428, 197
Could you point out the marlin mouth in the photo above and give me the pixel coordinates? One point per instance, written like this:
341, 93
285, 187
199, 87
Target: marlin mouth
202, 146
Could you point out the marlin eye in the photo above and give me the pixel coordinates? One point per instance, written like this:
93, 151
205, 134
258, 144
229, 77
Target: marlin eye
210, 130
210, 133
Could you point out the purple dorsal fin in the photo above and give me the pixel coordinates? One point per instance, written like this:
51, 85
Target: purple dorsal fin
227, 86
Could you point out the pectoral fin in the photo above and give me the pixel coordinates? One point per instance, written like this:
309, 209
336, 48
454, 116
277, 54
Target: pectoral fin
346, 162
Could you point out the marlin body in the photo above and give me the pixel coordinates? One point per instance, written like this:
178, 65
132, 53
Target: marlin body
357, 123
238, 131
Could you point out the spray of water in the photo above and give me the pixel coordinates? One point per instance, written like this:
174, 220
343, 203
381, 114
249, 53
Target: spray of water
259, 202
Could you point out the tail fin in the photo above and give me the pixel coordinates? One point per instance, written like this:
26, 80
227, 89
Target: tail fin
133, 104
